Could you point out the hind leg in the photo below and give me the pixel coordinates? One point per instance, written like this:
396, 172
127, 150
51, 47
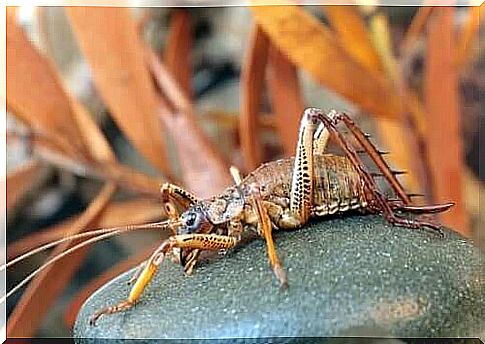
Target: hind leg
312, 139
378, 202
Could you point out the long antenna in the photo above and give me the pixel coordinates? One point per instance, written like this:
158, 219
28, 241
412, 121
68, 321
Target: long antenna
76, 247
79, 236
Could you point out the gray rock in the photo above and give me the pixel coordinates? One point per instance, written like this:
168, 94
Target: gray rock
347, 276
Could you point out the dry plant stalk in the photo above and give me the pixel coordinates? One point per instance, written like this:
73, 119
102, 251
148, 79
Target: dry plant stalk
252, 82
444, 143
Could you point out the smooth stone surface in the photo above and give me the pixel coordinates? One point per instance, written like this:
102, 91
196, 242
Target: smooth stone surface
347, 276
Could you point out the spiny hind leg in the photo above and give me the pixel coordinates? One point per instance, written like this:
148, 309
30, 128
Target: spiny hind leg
187, 241
312, 139
322, 136
301, 195
387, 172
379, 202
374, 154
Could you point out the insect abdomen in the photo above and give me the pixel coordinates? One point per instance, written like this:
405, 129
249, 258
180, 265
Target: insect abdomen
337, 186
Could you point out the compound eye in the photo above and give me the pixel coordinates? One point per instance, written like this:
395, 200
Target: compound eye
190, 219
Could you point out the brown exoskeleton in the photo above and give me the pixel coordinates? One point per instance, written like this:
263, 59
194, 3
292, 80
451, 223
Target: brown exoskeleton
281, 194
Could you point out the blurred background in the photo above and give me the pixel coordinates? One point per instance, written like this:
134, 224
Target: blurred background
106, 104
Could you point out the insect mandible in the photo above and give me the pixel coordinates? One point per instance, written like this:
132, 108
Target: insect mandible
282, 194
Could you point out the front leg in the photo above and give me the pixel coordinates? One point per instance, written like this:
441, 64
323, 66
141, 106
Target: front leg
187, 241
173, 195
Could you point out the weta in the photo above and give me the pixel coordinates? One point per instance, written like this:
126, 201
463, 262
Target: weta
282, 194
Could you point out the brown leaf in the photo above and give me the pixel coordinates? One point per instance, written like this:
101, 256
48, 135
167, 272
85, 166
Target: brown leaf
35, 94
252, 83
129, 178
109, 40
177, 51
125, 176
396, 134
415, 29
115, 214
444, 144
353, 33
286, 99
468, 36
314, 48
46, 287
204, 170
12, 11
92, 136
127, 264
21, 180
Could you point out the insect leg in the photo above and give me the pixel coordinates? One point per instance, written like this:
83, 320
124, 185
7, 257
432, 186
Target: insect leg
175, 194
374, 154
265, 226
188, 241
301, 197
171, 194
386, 171
379, 201
137, 273
321, 136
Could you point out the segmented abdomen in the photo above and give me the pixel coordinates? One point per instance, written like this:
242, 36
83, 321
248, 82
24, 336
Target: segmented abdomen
337, 187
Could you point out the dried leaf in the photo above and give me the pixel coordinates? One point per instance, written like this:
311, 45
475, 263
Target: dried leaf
252, 83
35, 94
468, 36
396, 133
125, 176
444, 143
128, 178
109, 40
115, 214
46, 287
177, 51
92, 136
415, 29
12, 11
21, 180
286, 99
353, 33
313, 47
204, 170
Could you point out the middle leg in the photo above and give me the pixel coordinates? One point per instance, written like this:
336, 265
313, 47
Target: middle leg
265, 228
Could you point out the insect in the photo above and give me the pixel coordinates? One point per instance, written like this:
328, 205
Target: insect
282, 194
